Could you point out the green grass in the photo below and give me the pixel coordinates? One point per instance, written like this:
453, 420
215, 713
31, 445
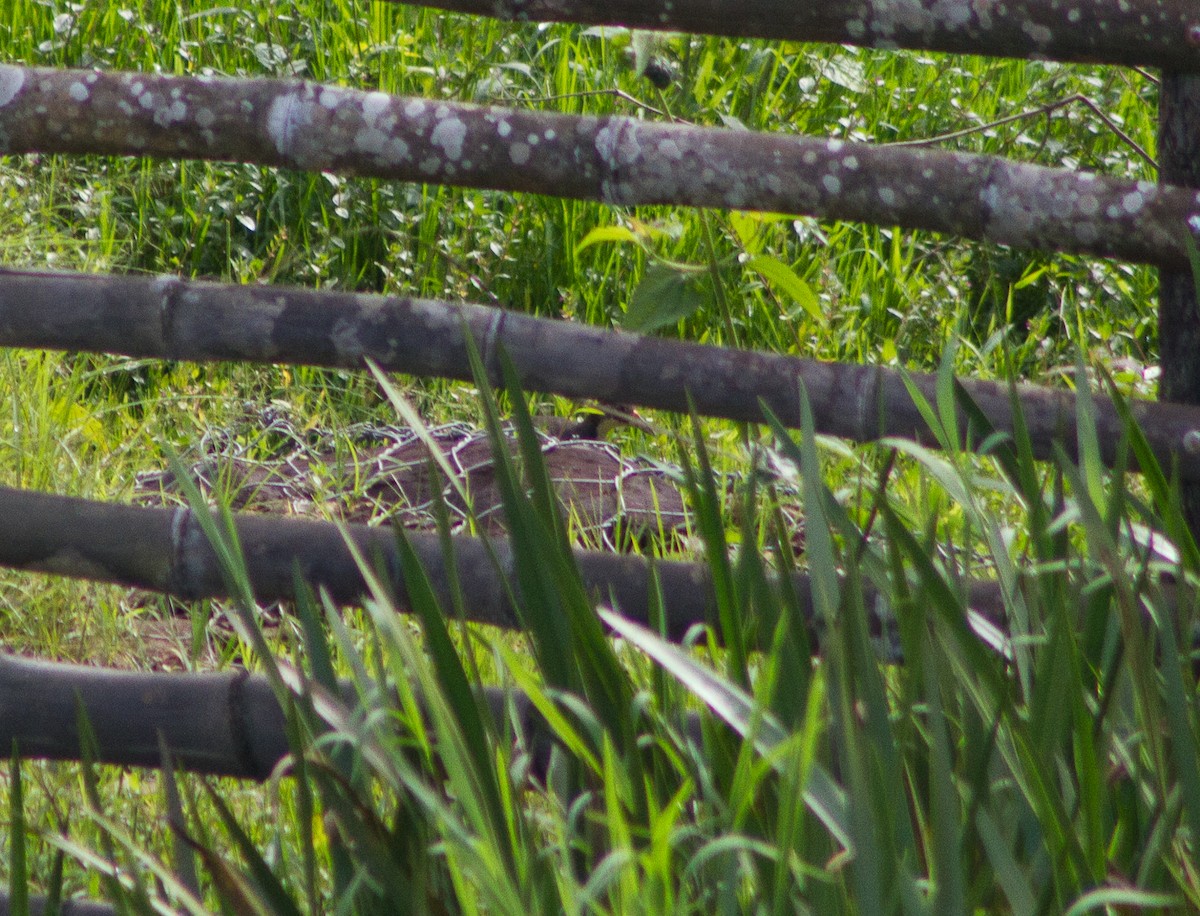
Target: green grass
1064, 777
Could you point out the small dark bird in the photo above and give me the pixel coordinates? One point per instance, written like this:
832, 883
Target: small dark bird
595, 423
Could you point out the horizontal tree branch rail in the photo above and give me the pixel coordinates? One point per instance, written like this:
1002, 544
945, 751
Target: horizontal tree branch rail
616, 160
165, 550
167, 318
226, 723
1147, 33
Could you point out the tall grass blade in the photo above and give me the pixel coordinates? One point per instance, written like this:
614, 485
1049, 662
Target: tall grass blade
18, 867
266, 893
469, 716
730, 703
185, 862
701, 485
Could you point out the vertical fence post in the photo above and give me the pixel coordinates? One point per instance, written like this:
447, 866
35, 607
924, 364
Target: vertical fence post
1178, 311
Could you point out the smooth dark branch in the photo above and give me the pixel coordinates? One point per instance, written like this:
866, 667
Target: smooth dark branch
1178, 310
226, 723
1150, 33
166, 550
616, 160
166, 318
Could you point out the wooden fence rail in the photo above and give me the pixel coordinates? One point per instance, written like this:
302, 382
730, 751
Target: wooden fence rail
167, 318
615, 160
166, 551
1147, 33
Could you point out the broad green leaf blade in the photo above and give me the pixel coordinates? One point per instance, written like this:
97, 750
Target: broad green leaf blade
602, 234
664, 297
784, 278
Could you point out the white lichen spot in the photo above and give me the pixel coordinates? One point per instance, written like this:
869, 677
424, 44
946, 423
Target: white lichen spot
954, 16
345, 339
617, 143
1146, 187
370, 140
810, 157
1133, 202
533, 139
449, 135
519, 153
287, 117
834, 146
832, 184
773, 183
169, 114
11, 82
1040, 34
1089, 205
669, 149
442, 111
414, 109
504, 128
374, 104
205, 118
887, 196
329, 98
851, 163
124, 107
550, 134
136, 87
78, 92
429, 165
855, 28
146, 99
1074, 16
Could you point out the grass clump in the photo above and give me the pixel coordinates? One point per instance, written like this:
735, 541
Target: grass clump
1044, 766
